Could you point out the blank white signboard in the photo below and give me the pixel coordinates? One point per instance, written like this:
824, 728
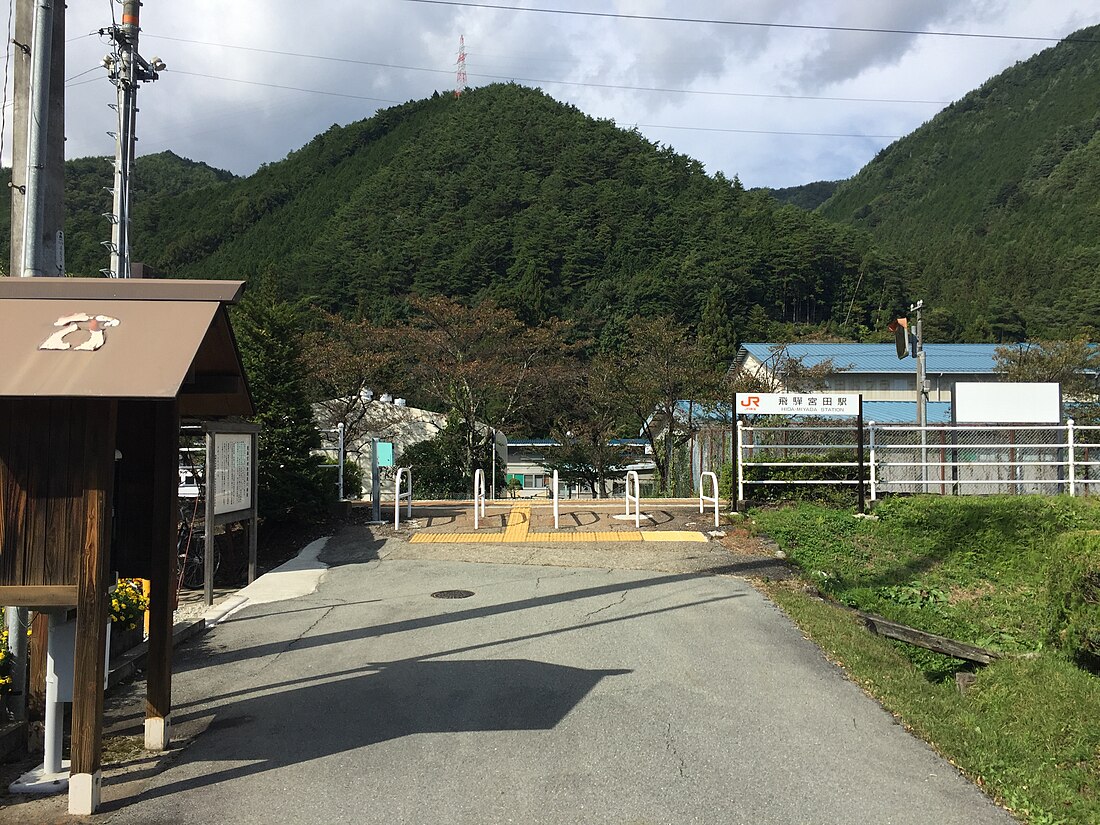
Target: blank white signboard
1007, 403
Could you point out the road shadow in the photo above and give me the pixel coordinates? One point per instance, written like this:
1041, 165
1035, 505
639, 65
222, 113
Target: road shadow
380, 702
434, 619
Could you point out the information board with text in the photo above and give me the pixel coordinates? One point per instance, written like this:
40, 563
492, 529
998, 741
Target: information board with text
232, 472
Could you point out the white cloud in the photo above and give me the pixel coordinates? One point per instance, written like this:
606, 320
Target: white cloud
199, 108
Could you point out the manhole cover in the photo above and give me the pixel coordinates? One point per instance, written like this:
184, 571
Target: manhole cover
452, 594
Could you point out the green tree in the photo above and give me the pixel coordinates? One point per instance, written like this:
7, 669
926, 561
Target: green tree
716, 333
1074, 364
290, 481
483, 365
661, 366
591, 418
441, 467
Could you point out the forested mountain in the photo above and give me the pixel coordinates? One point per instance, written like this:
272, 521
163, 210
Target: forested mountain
504, 193
997, 199
88, 181
806, 196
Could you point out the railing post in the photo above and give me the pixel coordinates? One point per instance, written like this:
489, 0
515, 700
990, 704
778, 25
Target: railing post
710, 499
874, 474
632, 476
555, 483
740, 464
340, 457
479, 494
407, 473
1071, 459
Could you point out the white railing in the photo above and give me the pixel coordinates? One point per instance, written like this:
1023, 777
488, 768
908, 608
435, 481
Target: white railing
709, 499
555, 481
936, 459
479, 494
636, 497
402, 472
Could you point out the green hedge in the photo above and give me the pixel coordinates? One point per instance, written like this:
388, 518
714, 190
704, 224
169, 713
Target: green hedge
1074, 596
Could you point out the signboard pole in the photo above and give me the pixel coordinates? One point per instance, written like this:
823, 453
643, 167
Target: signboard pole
208, 526
733, 455
254, 524
340, 458
375, 489
859, 457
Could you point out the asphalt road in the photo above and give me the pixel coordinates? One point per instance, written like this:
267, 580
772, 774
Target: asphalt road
552, 695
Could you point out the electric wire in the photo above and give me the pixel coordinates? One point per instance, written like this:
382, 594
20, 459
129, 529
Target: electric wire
765, 131
639, 125
289, 88
615, 86
69, 80
752, 23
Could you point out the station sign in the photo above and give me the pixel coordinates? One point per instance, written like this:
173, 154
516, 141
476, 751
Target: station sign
798, 403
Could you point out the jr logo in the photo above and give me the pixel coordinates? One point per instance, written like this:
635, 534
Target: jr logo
750, 402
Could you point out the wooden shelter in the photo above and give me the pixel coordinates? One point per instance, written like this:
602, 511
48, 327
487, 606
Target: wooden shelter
96, 374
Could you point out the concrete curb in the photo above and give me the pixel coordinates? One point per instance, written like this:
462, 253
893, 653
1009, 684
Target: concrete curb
125, 665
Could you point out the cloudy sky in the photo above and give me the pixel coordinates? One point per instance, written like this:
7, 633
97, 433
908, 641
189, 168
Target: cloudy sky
800, 100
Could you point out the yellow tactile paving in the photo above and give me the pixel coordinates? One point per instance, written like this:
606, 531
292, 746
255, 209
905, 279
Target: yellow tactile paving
517, 530
519, 523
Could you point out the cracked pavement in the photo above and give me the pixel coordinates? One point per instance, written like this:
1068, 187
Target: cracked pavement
552, 695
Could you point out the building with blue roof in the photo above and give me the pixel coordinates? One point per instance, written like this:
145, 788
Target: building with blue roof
873, 369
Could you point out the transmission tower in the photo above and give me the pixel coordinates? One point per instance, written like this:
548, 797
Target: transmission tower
460, 75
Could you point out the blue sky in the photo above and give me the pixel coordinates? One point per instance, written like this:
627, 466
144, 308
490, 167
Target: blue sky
250, 80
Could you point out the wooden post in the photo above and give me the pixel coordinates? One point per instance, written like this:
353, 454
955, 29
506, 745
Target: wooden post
85, 776
210, 489
162, 574
254, 523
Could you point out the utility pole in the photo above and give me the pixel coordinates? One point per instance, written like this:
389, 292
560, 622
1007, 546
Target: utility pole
37, 203
922, 395
38, 140
126, 68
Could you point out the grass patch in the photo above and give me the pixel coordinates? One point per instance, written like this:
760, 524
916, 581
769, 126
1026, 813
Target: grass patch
1022, 732
977, 570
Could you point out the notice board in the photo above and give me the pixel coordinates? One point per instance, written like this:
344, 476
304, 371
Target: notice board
232, 472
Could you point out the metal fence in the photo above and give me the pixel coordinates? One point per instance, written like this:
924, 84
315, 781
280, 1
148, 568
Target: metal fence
941, 459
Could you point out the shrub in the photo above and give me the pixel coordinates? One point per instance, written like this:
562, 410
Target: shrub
128, 603
5, 661
1074, 597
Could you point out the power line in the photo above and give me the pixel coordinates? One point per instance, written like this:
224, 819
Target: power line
765, 131
288, 88
638, 125
750, 23
616, 86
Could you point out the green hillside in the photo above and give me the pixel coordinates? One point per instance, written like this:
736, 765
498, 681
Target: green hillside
507, 194
88, 183
806, 196
996, 199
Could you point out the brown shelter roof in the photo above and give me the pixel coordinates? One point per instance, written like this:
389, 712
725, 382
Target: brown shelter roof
111, 338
